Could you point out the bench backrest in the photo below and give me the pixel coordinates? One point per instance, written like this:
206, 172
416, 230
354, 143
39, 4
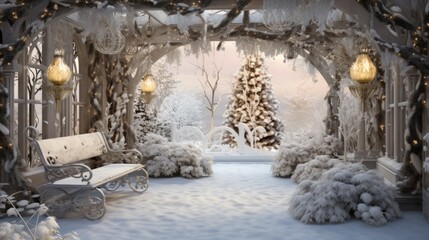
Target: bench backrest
71, 149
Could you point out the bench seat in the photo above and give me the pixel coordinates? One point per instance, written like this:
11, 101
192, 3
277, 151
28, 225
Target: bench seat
101, 176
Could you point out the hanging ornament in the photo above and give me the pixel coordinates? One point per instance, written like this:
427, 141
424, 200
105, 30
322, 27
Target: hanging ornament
275, 16
108, 39
363, 69
147, 88
58, 72
148, 84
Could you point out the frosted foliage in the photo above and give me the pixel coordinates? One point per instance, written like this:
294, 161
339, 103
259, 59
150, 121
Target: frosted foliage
146, 121
343, 192
290, 154
167, 159
348, 116
30, 228
174, 57
182, 108
248, 46
252, 102
314, 169
305, 109
184, 21
198, 48
115, 134
164, 80
279, 14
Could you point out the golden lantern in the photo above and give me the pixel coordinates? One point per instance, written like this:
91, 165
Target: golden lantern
363, 69
148, 85
58, 72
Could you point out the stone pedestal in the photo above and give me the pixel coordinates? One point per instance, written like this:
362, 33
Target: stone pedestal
368, 158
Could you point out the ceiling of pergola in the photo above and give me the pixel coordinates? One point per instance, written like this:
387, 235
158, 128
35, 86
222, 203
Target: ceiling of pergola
233, 22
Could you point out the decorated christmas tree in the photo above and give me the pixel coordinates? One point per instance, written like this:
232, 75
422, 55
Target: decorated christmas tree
252, 102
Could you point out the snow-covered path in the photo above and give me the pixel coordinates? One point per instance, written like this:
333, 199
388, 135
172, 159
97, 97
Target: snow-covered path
240, 201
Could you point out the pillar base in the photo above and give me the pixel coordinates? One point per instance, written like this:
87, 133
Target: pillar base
368, 158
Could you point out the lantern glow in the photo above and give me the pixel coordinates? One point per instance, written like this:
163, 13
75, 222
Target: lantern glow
148, 85
363, 69
58, 72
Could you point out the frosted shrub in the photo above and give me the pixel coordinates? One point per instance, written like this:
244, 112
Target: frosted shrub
314, 169
291, 154
166, 159
23, 203
47, 229
343, 192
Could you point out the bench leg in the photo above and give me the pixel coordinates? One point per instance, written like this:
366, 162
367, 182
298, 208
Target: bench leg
138, 180
57, 200
113, 185
91, 203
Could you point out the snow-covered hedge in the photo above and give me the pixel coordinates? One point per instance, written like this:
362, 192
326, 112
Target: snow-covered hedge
291, 154
166, 159
343, 192
314, 169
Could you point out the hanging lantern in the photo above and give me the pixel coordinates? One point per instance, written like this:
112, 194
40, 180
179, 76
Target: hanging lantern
108, 37
58, 72
363, 69
148, 85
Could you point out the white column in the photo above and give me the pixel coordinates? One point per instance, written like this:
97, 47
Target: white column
388, 119
396, 84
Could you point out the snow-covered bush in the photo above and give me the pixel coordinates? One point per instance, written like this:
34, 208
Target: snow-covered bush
343, 192
25, 202
314, 169
166, 159
47, 229
290, 154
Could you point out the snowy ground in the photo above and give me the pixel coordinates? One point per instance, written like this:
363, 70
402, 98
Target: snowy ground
240, 201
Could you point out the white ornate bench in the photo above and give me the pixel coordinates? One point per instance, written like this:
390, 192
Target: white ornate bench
73, 185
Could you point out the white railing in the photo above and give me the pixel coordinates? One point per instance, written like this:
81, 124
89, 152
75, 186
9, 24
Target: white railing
206, 140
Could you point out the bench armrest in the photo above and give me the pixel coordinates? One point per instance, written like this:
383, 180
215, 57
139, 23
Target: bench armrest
123, 156
55, 173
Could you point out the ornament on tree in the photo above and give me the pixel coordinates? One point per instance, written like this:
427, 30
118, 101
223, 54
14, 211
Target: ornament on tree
252, 102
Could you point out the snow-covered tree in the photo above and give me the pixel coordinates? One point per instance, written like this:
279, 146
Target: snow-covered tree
252, 102
165, 82
182, 108
146, 121
300, 105
349, 116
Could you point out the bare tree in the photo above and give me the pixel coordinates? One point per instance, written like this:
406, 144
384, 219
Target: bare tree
348, 115
209, 84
